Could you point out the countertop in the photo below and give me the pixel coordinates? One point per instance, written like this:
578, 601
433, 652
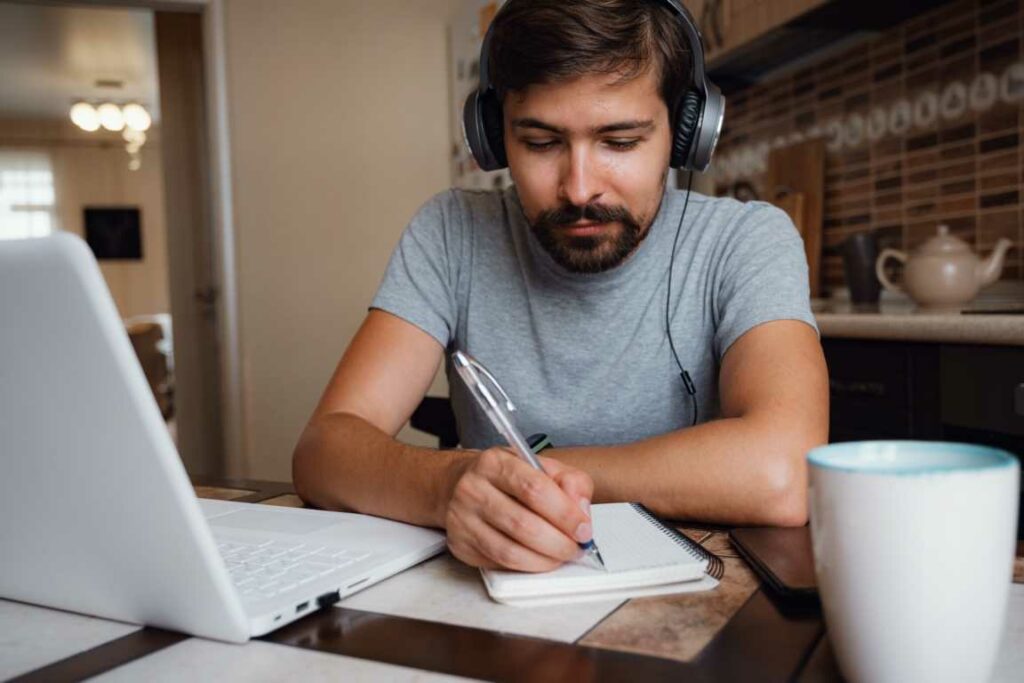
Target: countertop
899, 319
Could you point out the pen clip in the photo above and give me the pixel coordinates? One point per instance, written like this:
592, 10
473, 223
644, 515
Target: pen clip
466, 366
494, 383
475, 365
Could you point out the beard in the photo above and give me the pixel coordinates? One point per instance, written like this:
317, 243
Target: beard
588, 253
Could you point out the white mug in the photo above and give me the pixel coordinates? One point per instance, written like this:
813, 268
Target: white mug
913, 550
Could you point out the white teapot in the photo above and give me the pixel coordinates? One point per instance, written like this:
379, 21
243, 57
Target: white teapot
943, 274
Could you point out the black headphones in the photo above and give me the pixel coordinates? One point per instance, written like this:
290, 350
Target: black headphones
698, 111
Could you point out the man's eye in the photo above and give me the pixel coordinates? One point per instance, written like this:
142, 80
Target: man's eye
623, 145
540, 145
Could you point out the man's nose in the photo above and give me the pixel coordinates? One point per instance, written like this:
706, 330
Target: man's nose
580, 179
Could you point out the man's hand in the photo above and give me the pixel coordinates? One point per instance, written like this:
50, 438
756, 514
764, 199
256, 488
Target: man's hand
505, 514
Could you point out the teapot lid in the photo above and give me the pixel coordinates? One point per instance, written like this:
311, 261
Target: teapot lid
944, 243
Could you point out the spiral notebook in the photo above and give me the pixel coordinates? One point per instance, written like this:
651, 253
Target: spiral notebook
643, 556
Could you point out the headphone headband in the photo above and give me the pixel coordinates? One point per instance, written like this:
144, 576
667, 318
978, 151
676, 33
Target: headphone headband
689, 25
692, 146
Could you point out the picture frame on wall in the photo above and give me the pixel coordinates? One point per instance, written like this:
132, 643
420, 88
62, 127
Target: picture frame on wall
114, 232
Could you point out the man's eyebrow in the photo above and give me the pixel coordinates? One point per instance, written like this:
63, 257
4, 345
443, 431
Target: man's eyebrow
636, 124
536, 123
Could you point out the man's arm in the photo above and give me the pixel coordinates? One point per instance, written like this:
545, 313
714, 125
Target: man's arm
497, 510
347, 452
746, 468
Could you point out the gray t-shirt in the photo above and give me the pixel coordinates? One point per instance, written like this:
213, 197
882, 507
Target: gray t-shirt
585, 357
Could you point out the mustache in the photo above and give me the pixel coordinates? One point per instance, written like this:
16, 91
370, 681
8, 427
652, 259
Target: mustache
567, 214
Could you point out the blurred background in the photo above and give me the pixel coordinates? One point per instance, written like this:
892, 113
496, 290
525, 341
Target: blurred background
243, 169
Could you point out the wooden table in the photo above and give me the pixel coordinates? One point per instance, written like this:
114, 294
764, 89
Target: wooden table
735, 632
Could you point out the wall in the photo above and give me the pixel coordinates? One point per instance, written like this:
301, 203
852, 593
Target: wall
339, 131
91, 169
922, 125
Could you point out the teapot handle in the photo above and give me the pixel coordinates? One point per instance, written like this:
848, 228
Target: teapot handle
880, 268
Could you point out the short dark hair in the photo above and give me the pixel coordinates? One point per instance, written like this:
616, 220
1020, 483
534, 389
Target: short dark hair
547, 41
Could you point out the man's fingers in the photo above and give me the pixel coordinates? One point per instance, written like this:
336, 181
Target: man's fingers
527, 528
469, 554
539, 492
460, 544
497, 548
576, 483
505, 513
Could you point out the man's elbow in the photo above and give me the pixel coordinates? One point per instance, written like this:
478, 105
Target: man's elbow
786, 488
303, 477
787, 507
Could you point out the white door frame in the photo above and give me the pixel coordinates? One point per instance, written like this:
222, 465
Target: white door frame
233, 406
236, 462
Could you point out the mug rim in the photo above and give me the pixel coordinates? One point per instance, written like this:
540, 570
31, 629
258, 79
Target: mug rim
823, 457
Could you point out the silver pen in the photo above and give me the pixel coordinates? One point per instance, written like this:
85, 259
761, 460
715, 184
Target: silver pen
468, 369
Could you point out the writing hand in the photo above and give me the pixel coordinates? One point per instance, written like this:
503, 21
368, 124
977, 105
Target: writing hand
504, 514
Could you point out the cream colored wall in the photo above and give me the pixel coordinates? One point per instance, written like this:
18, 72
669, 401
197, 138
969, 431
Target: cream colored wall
91, 169
101, 177
339, 131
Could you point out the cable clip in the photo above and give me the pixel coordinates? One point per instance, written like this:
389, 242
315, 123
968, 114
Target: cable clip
688, 383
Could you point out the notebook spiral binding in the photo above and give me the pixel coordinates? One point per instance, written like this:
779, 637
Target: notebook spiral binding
715, 567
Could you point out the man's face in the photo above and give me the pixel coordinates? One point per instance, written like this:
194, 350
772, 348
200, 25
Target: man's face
589, 157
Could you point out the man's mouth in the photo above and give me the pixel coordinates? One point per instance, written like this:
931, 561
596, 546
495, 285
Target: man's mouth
584, 228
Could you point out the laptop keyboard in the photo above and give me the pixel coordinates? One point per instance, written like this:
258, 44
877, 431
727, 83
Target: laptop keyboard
262, 570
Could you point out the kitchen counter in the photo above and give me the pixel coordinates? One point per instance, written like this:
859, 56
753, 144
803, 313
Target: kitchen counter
897, 318
904, 324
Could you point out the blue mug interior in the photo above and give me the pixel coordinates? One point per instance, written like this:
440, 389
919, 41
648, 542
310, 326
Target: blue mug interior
908, 457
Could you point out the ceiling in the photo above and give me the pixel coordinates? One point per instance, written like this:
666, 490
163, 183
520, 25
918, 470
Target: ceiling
52, 56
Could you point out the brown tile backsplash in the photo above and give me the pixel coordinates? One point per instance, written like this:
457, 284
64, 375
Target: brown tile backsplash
922, 125
1000, 180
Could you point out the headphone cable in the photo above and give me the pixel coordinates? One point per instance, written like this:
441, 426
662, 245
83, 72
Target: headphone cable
683, 374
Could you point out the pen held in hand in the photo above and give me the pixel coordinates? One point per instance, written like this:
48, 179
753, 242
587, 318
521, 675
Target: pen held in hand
497, 412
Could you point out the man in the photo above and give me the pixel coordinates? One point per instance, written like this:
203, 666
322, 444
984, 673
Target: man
560, 287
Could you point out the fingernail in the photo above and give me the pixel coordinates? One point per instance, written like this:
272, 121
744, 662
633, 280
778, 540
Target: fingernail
585, 506
584, 532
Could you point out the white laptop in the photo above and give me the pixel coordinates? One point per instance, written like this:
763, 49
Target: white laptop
97, 514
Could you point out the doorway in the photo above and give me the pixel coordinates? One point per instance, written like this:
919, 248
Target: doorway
141, 194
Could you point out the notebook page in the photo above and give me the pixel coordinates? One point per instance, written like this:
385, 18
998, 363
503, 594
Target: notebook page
635, 551
628, 541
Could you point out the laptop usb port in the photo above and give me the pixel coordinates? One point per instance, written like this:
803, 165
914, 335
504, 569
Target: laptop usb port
301, 607
328, 599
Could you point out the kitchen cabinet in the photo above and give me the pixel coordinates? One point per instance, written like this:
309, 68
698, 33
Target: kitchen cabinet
893, 389
882, 389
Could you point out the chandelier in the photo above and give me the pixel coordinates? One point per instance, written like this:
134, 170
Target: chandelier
131, 119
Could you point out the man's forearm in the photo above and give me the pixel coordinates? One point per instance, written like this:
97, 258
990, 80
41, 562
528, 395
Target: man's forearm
730, 471
343, 462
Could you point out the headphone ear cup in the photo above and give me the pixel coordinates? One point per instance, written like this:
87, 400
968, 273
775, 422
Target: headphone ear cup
483, 128
687, 120
473, 129
494, 128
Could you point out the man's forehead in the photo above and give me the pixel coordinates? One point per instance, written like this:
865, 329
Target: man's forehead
589, 102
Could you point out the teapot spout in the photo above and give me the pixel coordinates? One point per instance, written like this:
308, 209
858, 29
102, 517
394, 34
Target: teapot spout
988, 271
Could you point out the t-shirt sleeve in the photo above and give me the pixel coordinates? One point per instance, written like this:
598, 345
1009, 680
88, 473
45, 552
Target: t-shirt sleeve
763, 275
419, 282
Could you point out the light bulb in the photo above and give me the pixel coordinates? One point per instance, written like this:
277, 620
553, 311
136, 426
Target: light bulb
136, 117
111, 117
132, 135
84, 116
